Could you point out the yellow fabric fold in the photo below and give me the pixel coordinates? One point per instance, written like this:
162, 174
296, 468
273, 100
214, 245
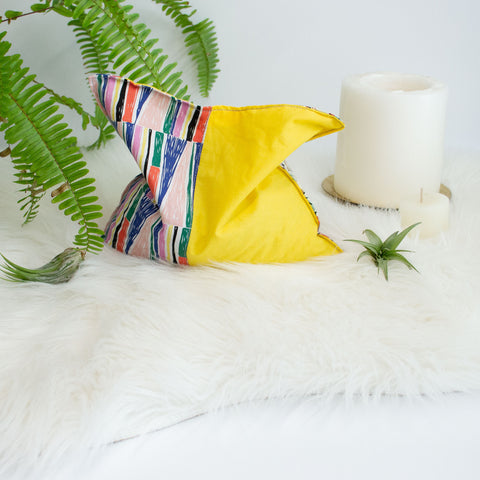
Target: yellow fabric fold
246, 207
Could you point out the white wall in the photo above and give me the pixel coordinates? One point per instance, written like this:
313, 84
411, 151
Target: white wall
278, 51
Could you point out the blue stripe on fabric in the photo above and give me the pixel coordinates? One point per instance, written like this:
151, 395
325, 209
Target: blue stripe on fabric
144, 209
154, 236
128, 131
103, 80
198, 153
174, 148
144, 94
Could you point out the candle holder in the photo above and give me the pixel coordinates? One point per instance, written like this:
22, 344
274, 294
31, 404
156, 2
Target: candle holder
328, 186
392, 144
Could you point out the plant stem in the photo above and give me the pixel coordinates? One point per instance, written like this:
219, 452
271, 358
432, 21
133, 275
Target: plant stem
25, 14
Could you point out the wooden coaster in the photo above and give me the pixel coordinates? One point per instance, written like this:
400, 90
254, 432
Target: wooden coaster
328, 186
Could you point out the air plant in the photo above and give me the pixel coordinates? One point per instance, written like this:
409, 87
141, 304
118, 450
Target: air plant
58, 270
382, 252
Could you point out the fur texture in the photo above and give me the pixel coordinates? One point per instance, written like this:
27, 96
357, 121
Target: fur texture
129, 346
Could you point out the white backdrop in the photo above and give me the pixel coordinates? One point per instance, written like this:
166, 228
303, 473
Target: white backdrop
279, 51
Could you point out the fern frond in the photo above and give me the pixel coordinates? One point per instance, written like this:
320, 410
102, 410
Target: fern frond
106, 131
33, 194
95, 56
43, 152
70, 103
32, 190
200, 40
131, 49
95, 59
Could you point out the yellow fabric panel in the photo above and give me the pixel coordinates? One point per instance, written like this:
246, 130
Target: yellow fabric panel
246, 207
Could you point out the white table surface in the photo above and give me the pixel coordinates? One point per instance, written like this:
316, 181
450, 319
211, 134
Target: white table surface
393, 438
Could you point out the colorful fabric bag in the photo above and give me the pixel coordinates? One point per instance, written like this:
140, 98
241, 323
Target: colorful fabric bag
212, 187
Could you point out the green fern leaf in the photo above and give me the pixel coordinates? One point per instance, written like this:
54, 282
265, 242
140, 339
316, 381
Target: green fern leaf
70, 103
94, 54
200, 40
106, 130
44, 154
95, 57
130, 48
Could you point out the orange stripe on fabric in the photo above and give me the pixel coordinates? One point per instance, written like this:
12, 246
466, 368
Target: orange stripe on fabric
130, 101
202, 125
122, 235
152, 181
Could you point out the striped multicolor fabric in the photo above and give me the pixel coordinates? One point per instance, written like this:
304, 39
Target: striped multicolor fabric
165, 136
136, 227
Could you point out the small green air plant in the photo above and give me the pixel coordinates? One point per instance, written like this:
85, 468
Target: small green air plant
58, 270
382, 252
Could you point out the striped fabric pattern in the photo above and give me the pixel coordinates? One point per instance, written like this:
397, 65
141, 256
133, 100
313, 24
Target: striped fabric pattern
165, 136
136, 227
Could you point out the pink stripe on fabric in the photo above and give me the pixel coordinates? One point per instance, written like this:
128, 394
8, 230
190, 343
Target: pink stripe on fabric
153, 111
141, 244
177, 131
161, 242
111, 225
108, 98
137, 142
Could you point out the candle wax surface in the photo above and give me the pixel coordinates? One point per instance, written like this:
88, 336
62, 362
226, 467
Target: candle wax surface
392, 144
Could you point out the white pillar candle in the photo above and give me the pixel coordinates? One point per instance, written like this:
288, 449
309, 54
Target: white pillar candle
431, 209
392, 144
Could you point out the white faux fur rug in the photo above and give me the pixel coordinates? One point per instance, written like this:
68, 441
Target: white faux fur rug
129, 346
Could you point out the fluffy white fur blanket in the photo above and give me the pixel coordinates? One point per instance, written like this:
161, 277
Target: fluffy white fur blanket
129, 346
